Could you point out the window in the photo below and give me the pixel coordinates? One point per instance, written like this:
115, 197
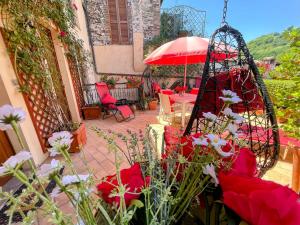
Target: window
118, 21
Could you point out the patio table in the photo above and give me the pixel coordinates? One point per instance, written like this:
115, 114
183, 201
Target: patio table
183, 100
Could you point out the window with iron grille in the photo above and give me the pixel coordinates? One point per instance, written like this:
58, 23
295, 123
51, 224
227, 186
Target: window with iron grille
118, 21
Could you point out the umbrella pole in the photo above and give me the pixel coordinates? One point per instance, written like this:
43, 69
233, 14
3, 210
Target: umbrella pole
184, 80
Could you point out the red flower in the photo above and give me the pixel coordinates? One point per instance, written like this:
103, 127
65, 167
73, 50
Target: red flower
63, 33
260, 202
75, 6
133, 180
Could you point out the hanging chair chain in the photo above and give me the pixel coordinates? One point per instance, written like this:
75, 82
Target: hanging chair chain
224, 12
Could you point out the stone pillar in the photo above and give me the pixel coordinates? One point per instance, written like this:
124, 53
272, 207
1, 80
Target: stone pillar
138, 36
138, 52
89, 76
66, 77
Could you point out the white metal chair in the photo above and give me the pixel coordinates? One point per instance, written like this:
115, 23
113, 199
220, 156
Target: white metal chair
168, 112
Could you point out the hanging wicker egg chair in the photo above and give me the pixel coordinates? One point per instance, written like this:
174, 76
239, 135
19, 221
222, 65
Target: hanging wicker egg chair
238, 72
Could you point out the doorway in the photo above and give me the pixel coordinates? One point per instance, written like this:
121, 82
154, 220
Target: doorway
6, 151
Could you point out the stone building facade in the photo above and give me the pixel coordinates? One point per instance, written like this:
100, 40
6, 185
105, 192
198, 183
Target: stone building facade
141, 22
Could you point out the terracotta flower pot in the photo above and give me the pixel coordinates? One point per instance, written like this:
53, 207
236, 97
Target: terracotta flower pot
152, 105
91, 112
79, 139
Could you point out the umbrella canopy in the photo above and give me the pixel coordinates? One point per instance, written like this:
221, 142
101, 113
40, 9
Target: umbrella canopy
185, 50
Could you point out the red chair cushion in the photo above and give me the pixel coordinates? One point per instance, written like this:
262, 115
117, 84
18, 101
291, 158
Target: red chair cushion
108, 99
194, 91
156, 87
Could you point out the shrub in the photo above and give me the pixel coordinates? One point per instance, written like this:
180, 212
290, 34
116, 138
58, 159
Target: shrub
285, 95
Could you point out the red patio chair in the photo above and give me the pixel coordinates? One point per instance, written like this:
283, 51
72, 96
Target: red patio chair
108, 102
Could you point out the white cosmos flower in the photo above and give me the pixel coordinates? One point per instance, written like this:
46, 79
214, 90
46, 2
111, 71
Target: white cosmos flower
230, 97
236, 118
217, 143
73, 179
19, 158
200, 141
48, 169
210, 170
55, 192
210, 116
228, 93
232, 128
15, 160
62, 138
3, 170
8, 114
54, 151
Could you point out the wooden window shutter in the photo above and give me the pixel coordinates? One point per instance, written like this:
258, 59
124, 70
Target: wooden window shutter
118, 21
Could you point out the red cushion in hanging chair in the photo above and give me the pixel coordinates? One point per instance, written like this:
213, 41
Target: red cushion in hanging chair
237, 80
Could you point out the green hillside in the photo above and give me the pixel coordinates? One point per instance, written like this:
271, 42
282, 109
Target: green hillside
268, 45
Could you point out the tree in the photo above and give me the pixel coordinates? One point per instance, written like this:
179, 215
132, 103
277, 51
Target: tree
288, 105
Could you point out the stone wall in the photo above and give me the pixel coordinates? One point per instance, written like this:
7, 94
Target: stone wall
98, 19
143, 17
151, 18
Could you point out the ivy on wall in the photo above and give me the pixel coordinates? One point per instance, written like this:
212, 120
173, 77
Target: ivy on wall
24, 22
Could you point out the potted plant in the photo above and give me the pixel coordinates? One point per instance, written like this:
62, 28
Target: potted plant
111, 82
152, 103
133, 82
91, 111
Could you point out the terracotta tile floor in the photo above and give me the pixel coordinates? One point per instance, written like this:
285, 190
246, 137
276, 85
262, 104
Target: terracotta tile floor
101, 161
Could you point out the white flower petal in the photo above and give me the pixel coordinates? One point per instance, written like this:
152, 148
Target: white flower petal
8, 114
236, 118
200, 141
228, 93
72, 179
210, 116
3, 170
62, 138
19, 158
210, 170
48, 169
53, 151
223, 154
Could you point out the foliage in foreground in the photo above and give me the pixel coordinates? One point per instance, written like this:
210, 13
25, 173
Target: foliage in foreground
156, 190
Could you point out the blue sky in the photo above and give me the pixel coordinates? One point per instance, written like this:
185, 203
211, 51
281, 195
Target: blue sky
252, 18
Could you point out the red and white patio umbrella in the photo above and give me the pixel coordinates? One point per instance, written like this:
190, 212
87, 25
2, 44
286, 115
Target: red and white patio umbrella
183, 51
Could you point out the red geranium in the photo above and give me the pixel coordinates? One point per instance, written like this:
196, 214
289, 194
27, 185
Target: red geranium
133, 180
75, 6
63, 34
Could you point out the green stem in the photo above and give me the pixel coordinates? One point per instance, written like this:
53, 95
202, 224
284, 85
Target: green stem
17, 132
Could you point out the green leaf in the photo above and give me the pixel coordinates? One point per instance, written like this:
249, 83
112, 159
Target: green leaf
137, 203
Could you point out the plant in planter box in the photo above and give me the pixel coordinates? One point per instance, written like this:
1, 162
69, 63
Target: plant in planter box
152, 103
110, 81
133, 82
91, 111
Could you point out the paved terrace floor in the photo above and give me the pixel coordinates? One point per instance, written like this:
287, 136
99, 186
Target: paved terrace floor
102, 162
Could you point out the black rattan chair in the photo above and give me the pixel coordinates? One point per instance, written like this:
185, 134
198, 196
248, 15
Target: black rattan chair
238, 73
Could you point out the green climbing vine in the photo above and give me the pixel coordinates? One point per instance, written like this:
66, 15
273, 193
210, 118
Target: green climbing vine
24, 22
